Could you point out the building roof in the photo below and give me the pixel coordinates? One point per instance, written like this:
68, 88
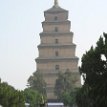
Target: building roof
55, 8
60, 103
27, 104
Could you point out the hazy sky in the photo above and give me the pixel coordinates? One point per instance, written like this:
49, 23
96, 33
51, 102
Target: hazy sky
20, 25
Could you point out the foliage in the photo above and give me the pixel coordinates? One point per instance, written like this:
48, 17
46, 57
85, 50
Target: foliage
83, 97
69, 98
94, 91
9, 97
36, 82
36, 92
65, 89
32, 97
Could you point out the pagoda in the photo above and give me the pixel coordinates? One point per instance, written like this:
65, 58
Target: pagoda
56, 49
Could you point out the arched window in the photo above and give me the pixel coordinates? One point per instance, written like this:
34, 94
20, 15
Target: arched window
56, 41
56, 67
56, 53
56, 29
55, 18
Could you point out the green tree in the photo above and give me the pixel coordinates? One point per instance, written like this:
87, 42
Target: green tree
10, 97
65, 89
32, 97
37, 85
36, 82
95, 68
83, 97
63, 83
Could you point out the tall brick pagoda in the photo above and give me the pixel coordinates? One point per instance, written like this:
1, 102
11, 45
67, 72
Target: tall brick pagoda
56, 50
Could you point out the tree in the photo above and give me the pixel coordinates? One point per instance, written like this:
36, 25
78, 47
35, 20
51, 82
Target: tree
32, 97
10, 97
95, 68
65, 89
36, 82
36, 85
83, 97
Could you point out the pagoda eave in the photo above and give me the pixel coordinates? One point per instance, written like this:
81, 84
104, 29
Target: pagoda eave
56, 46
56, 33
56, 59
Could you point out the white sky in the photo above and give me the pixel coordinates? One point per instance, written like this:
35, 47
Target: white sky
20, 25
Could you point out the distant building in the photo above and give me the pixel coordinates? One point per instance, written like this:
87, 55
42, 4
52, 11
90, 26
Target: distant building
60, 104
56, 50
27, 105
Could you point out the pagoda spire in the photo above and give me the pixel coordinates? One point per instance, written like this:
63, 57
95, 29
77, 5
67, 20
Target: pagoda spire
56, 3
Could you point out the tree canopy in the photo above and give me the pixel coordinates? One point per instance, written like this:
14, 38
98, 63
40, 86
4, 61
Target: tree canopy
10, 97
32, 97
36, 90
94, 91
37, 82
65, 89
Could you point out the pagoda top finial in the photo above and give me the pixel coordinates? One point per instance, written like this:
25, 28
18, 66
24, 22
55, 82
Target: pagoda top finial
56, 3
